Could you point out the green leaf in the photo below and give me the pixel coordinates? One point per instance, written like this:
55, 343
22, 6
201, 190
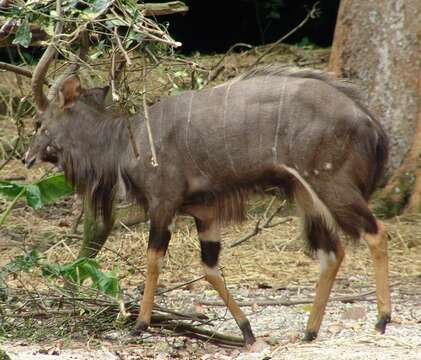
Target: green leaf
21, 263
113, 21
82, 269
306, 308
135, 36
108, 283
53, 188
10, 190
33, 196
100, 5
23, 35
95, 8
41, 193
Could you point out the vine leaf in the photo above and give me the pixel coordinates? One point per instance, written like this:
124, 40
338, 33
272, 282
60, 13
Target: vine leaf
23, 35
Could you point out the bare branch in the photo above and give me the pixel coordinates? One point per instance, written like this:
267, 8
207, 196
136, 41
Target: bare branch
171, 7
18, 70
40, 71
349, 298
258, 228
311, 14
120, 46
70, 70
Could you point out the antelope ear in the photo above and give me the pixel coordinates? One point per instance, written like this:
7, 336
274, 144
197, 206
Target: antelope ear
69, 92
97, 95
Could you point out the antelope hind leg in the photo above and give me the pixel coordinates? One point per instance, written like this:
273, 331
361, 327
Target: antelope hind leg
377, 243
329, 266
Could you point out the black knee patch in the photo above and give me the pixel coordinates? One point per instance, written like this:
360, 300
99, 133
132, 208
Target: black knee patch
210, 252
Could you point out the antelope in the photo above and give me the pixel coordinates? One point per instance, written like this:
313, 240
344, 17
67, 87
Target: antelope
300, 131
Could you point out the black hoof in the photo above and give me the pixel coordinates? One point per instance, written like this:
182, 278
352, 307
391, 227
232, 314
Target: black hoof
249, 338
139, 327
381, 324
310, 336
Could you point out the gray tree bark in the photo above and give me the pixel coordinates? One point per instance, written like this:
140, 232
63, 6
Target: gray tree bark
377, 43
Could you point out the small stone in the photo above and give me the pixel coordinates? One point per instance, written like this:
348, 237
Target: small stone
354, 313
335, 328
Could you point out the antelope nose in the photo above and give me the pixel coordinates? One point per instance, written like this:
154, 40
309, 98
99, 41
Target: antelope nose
28, 161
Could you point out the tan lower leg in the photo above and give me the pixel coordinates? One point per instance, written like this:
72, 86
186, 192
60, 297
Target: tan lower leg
213, 277
330, 264
154, 259
378, 248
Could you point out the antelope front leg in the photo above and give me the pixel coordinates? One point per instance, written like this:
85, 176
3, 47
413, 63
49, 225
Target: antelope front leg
377, 243
157, 246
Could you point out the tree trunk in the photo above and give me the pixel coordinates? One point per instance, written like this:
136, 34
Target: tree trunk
377, 43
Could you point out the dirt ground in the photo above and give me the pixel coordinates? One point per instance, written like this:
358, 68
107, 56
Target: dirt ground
271, 266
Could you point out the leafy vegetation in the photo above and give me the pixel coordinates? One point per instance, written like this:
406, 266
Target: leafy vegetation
108, 23
38, 194
74, 274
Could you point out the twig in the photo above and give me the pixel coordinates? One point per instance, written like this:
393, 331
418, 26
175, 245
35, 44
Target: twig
11, 154
131, 138
72, 68
349, 298
120, 46
311, 14
18, 70
181, 285
148, 125
77, 221
217, 69
115, 75
6, 212
15, 178
258, 228
114, 94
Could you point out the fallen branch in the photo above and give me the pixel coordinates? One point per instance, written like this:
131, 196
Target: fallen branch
184, 329
349, 298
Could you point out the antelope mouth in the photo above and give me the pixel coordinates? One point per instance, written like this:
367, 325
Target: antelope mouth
29, 162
